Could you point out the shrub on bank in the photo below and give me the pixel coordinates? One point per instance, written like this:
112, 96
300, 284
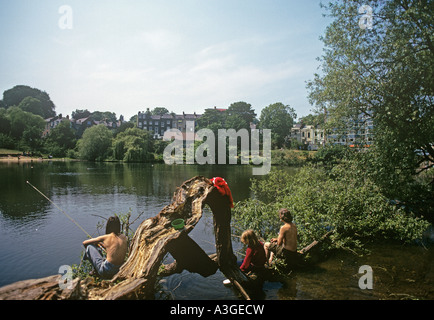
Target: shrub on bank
342, 199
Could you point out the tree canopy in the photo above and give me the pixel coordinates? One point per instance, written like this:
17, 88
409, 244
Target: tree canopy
60, 140
25, 128
133, 145
279, 118
95, 143
385, 72
15, 96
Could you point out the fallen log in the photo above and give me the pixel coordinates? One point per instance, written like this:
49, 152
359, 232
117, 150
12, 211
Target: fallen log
314, 243
40, 289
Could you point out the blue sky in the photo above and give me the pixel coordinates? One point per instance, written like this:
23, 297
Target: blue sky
126, 56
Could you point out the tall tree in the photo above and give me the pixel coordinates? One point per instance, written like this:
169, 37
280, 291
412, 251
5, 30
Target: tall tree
133, 145
61, 139
159, 111
244, 112
279, 118
32, 105
213, 119
379, 61
25, 128
14, 96
95, 143
80, 114
103, 115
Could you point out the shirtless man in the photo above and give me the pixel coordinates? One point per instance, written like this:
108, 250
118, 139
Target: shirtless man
285, 246
115, 245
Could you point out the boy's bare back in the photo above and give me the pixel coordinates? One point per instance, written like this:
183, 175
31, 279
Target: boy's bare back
116, 247
288, 232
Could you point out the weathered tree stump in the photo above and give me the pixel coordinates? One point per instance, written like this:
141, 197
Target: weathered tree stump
153, 239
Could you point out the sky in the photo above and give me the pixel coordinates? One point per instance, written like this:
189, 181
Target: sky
130, 55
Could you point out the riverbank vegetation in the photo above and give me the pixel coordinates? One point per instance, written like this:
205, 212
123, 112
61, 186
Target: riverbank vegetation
382, 73
343, 198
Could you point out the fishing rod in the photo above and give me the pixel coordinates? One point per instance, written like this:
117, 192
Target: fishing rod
58, 208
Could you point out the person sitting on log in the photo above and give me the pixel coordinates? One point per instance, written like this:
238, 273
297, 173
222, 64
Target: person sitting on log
285, 246
255, 255
115, 245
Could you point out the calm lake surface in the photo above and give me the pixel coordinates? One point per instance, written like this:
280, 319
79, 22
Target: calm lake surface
36, 238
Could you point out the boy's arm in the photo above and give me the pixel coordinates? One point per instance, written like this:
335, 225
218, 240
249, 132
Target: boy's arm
94, 240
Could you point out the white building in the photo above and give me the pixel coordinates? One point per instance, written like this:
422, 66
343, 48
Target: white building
311, 137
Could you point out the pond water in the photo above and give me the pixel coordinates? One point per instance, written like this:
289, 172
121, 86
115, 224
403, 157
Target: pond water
36, 238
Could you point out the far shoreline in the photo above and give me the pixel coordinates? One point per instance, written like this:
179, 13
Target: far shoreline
20, 158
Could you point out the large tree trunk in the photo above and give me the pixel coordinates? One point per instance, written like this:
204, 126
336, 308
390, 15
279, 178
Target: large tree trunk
153, 239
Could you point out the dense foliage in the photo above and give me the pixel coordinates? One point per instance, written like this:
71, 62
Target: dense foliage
29, 99
20, 129
133, 145
279, 118
95, 144
386, 72
343, 199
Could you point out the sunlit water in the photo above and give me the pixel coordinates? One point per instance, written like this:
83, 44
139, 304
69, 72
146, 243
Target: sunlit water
36, 238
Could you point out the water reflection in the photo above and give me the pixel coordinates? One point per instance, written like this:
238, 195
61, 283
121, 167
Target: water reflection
36, 238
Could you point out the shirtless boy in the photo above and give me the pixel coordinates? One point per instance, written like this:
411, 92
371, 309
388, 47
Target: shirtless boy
285, 246
115, 245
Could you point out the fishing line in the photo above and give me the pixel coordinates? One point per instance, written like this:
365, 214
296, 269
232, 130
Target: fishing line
58, 208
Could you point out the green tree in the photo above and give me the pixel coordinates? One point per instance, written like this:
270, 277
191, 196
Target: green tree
26, 128
124, 126
60, 140
103, 115
314, 119
236, 122
32, 105
385, 72
5, 129
159, 111
14, 96
244, 112
212, 119
5, 124
133, 145
343, 199
80, 114
279, 118
95, 143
